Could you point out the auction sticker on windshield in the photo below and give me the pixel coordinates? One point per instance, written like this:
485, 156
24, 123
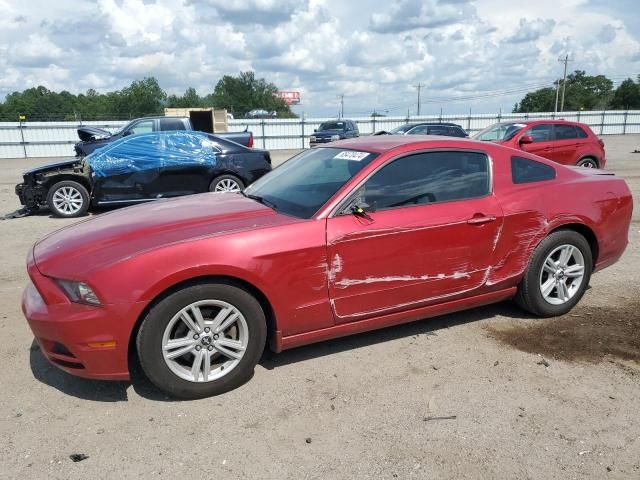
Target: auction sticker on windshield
351, 155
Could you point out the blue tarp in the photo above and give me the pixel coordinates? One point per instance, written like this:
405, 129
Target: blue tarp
146, 151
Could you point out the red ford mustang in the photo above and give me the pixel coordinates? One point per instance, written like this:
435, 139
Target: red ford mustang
368, 233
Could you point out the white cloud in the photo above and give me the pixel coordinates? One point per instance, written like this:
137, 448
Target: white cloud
373, 51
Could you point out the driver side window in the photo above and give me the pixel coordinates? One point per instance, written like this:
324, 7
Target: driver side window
142, 127
541, 133
429, 177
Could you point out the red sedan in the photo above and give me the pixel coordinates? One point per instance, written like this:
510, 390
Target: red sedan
368, 233
569, 143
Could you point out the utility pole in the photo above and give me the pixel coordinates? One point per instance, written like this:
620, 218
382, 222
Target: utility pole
564, 60
341, 97
419, 87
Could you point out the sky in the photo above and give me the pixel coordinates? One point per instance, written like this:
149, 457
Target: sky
481, 55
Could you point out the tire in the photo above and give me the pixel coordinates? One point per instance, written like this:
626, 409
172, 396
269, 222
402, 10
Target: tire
68, 199
588, 162
226, 183
165, 321
530, 291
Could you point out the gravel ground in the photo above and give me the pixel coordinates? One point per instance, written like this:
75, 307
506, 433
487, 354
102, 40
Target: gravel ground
469, 395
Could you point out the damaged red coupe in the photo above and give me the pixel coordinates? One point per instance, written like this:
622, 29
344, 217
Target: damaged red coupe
368, 233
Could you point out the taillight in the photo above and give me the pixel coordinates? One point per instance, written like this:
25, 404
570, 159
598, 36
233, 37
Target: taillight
250, 144
601, 142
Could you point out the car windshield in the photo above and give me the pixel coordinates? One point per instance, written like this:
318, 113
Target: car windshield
302, 185
499, 132
402, 129
332, 126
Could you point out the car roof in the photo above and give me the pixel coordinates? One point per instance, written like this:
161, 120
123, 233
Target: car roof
159, 117
384, 143
539, 121
435, 124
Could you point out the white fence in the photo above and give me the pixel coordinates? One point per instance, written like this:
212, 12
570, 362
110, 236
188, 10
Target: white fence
56, 139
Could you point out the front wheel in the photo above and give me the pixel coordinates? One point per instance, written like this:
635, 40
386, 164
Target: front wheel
202, 340
226, 183
68, 199
557, 276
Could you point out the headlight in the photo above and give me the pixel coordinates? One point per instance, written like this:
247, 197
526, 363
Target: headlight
312, 138
335, 137
78, 292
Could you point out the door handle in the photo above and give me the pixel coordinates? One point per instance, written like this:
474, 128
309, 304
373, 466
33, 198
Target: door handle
481, 219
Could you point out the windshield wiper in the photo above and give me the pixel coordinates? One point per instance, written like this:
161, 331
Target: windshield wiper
261, 200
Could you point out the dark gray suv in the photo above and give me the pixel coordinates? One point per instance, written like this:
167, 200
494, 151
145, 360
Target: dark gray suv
334, 130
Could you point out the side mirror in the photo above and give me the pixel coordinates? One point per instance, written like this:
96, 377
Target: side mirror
315, 130
525, 139
126, 132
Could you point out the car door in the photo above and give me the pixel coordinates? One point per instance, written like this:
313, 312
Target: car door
430, 238
188, 163
128, 169
566, 144
543, 141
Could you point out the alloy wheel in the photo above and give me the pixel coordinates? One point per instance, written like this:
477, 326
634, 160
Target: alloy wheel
227, 185
205, 340
562, 274
68, 200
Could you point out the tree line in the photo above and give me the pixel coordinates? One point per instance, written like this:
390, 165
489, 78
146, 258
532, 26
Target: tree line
583, 92
237, 94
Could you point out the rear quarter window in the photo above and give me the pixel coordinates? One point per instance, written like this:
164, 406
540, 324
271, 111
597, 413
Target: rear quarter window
581, 133
524, 170
171, 124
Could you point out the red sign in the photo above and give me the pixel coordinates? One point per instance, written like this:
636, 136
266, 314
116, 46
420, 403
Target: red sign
290, 98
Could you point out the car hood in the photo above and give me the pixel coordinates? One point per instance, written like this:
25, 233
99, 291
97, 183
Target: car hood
54, 166
109, 238
88, 134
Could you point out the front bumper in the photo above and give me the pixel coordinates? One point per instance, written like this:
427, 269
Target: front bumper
320, 141
82, 340
30, 197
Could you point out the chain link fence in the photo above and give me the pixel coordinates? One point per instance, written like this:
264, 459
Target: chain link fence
56, 138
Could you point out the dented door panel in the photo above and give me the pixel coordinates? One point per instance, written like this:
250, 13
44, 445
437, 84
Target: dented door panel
409, 257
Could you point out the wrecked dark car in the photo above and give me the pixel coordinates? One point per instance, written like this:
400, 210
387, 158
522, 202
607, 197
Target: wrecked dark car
92, 138
141, 168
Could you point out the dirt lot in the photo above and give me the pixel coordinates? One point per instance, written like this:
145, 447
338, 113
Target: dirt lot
488, 393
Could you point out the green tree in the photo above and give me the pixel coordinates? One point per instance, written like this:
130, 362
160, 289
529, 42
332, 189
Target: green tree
142, 97
189, 99
627, 95
542, 100
245, 92
582, 92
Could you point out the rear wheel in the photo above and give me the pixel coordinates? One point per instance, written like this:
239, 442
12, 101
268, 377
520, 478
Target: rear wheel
557, 276
226, 183
202, 340
587, 162
68, 199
